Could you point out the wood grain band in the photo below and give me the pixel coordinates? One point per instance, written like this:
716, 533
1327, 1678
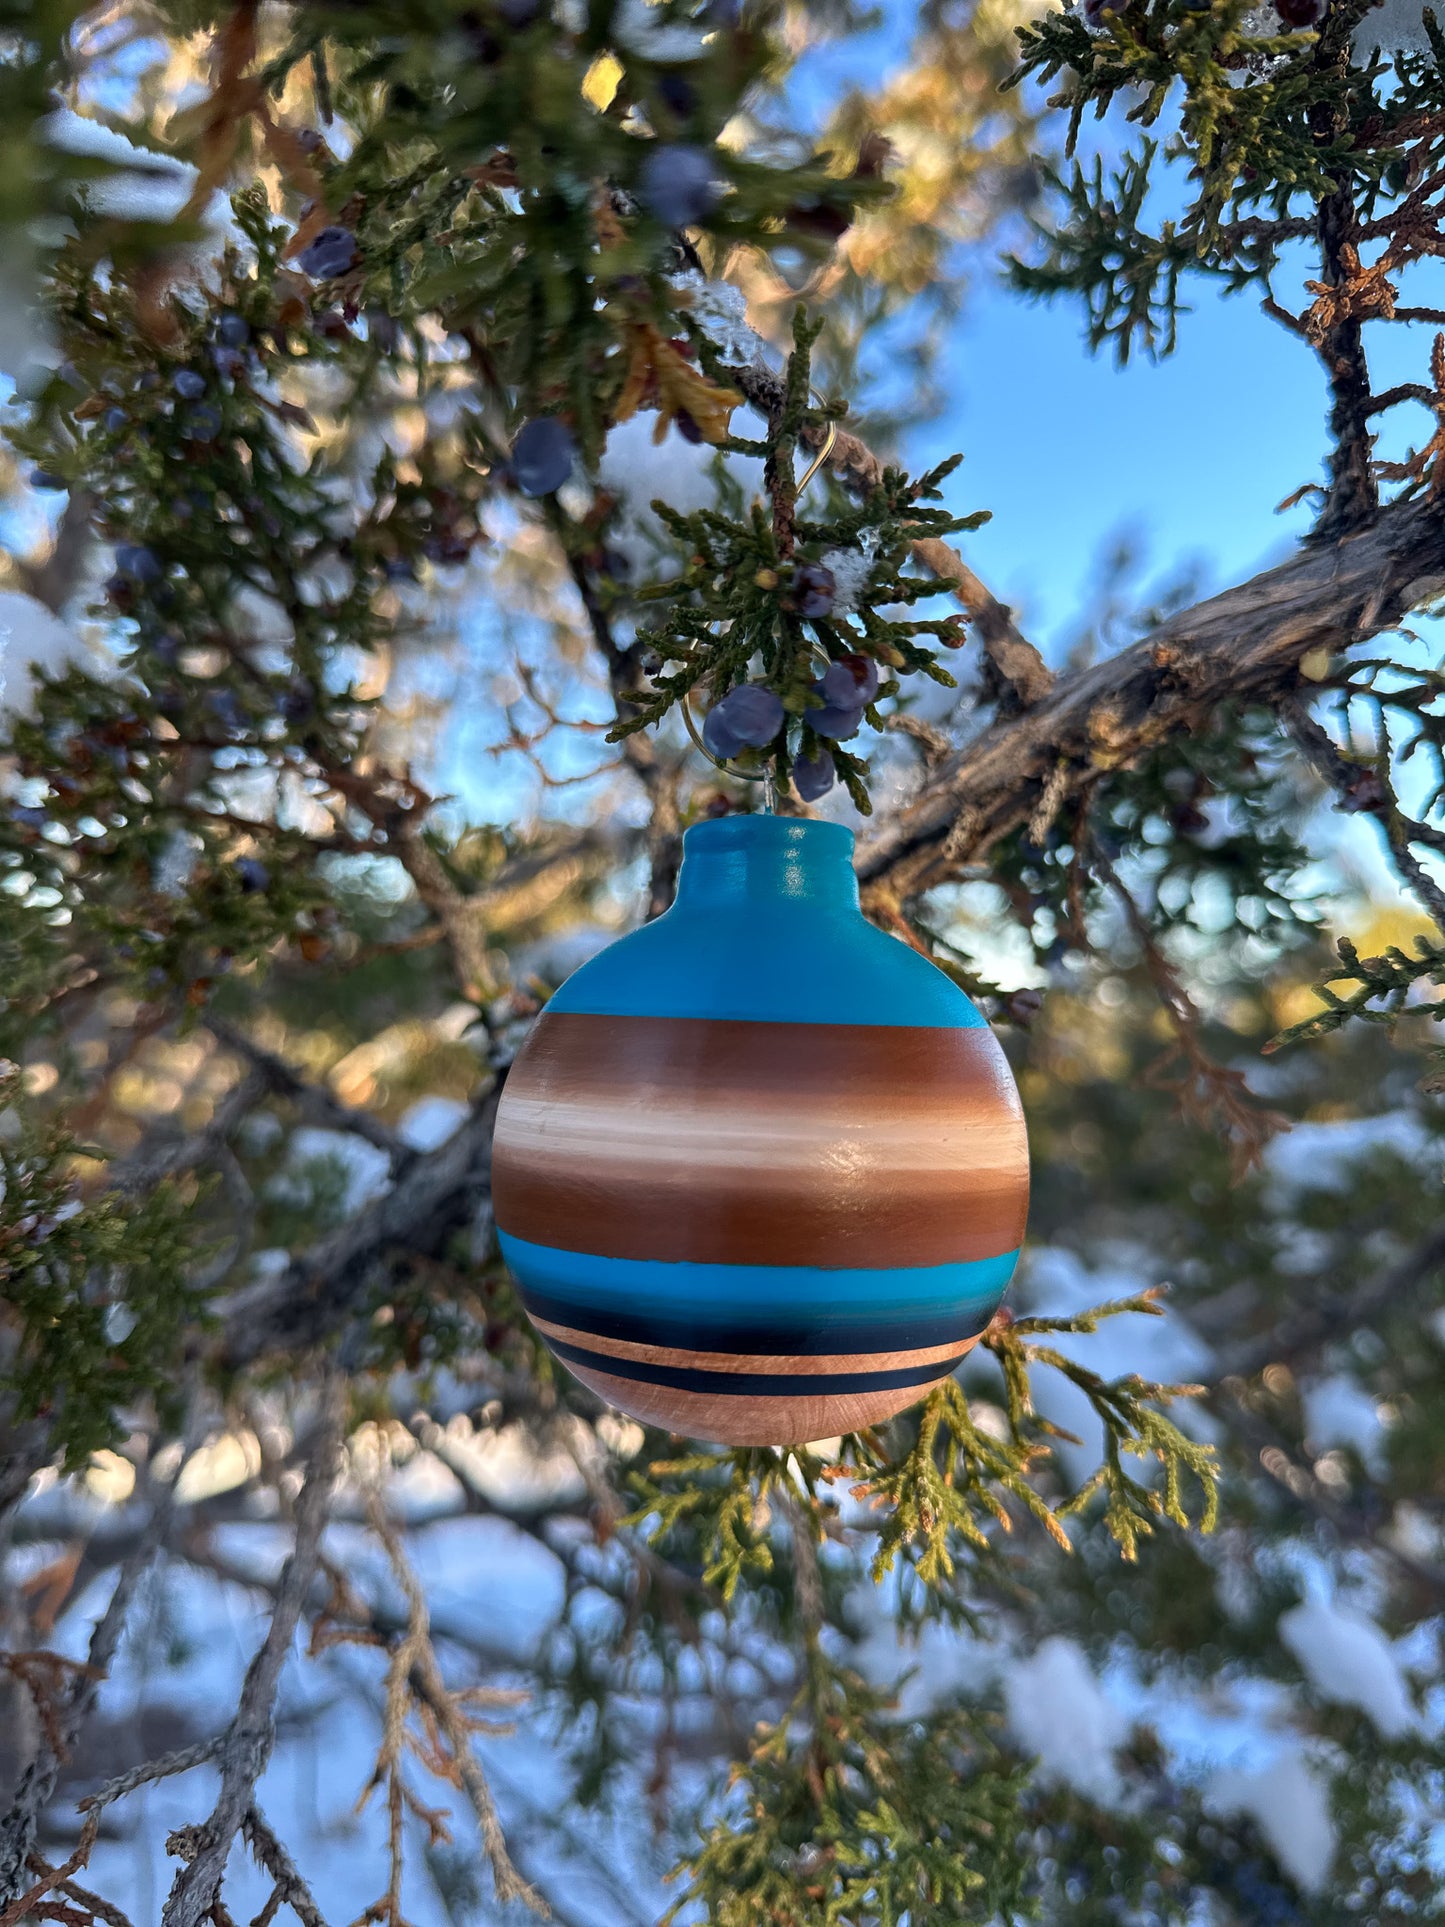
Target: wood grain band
570, 1344
734, 1142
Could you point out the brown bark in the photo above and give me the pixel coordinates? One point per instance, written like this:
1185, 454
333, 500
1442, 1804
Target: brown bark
1245, 644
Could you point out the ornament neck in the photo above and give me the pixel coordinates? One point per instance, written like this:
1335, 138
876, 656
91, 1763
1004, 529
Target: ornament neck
735, 862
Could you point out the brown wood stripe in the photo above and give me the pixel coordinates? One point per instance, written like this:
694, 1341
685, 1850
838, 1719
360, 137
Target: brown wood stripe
817, 1364
732, 1142
748, 1420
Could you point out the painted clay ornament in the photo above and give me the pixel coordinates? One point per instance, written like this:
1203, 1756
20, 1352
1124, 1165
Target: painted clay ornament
760, 1170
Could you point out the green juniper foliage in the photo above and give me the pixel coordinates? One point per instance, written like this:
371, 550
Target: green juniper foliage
102, 1294
363, 379
846, 1816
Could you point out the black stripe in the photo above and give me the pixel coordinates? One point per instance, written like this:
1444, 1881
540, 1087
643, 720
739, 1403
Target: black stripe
688, 1378
787, 1336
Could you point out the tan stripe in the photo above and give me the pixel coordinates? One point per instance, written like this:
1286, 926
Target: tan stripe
726, 1420
730, 1142
757, 1361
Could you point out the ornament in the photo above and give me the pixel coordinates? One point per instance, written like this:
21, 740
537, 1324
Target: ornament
760, 1170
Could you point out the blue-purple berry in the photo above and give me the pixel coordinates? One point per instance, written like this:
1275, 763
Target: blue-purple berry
137, 563
812, 590
679, 184
189, 385
679, 94
42, 478
542, 456
851, 681
115, 421
717, 738
748, 717
837, 687
813, 776
253, 875
329, 255
201, 425
233, 331
224, 705
835, 720
298, 704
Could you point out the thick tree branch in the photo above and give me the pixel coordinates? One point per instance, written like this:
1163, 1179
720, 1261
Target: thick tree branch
320, 1290
1243, 645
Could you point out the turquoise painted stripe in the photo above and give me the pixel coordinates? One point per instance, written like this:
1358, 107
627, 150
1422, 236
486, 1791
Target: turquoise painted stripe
732, 1300
785, 963
766, 926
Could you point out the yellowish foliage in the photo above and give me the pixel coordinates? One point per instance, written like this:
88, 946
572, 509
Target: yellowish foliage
601, 81
660, 376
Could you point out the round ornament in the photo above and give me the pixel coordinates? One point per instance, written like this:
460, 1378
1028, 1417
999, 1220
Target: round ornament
760, 1170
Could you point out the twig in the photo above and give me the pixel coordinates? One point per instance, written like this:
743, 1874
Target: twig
660, 776
146, 1169
248, 1741
163, 1768
313, 1101
1207, 1092
1321, 1320
28, 1903
413, 1670
105, 1910
272, 1855
19, 1827
1020, 669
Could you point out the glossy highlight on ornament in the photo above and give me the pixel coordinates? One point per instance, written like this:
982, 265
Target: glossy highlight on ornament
760, 1170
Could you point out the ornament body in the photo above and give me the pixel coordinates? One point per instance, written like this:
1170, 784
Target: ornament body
760, 1170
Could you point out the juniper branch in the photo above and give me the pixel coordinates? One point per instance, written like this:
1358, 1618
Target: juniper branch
247, 1745
320, 1290
20, 1825
1245, 643
1023, 675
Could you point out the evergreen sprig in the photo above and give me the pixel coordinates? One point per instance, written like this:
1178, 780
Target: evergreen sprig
723, 1502
955, 1478
752, 605
101, 1289
1380, 989
845, 1812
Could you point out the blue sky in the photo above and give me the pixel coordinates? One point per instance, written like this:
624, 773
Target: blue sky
1188, 456
1191, 454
